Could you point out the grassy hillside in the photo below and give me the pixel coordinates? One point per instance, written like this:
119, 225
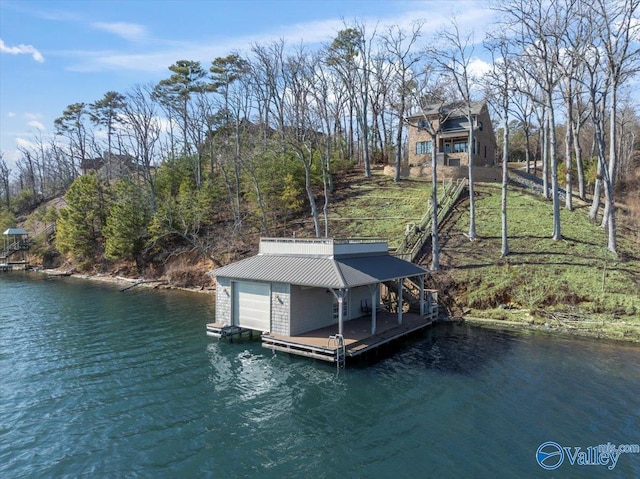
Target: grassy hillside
569, 285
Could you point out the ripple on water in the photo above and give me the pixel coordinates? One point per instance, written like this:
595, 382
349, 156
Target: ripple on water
101, 383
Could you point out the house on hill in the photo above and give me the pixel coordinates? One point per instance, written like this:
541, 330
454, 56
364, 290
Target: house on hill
450, 126
111, 166
293, 287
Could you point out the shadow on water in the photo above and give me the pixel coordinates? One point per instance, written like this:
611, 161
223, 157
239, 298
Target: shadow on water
450, 348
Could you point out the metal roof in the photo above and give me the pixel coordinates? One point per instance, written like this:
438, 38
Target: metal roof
15, 231
451, 110
320, 272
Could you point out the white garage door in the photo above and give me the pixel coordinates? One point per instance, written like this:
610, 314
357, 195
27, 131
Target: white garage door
252, 306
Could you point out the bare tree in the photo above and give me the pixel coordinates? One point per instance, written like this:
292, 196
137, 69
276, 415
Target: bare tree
72, 125
538, 27
429, 97
350, 54
618, 33
5, 174
500, 82
453, 58
301, 132
400, 49
143, 130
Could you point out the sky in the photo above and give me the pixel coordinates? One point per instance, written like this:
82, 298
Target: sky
55, 53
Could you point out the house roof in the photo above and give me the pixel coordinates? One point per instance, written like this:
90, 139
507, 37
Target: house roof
452, 110
321, 272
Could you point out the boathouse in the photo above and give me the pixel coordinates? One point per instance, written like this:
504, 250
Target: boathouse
323, 298
15, 249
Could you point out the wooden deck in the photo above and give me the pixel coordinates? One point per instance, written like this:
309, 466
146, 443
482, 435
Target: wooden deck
357, 335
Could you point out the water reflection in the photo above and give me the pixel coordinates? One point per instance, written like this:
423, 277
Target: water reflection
114, 384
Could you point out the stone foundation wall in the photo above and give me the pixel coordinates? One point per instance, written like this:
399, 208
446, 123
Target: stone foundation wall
483, 174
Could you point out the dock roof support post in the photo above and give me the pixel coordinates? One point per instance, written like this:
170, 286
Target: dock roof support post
400, 294
373, 289
340, 299
422, 309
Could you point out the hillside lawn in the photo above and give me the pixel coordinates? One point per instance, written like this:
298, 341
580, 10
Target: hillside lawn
573, 285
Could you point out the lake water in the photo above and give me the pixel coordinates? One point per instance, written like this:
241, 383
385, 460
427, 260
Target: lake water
95, 382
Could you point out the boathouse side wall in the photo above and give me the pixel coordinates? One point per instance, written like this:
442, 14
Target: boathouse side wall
311, 308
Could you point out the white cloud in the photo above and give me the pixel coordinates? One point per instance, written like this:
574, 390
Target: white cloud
165, 52
25, 144
21, 50
32, 116
129, 31
479, 68
36, 124
11, 114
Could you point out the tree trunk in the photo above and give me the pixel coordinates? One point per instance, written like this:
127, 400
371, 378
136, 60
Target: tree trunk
557, 233
575, 128
568, 202
505, 180
472, 200
435, 247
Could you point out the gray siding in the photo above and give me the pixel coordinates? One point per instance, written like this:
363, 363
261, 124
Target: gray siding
311, 308
223, 301
356, 297
280, 308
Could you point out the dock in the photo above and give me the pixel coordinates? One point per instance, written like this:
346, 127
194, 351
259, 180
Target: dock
324, 344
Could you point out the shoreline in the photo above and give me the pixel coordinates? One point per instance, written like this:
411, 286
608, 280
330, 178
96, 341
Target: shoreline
607, 330
612, 330
130, 283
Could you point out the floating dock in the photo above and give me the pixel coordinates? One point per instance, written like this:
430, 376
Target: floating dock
325, 345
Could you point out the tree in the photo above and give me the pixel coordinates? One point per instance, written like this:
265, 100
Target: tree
431, 91
5, 173
453, 59
80, 225
106, 112
619, 34
225, 73
143, 131
500, 82
399, 46
71, 124
537, 28
174, 94
301, 134
350, 56
125, 231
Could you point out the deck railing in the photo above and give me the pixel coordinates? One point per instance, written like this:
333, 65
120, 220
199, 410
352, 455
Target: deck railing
416, 235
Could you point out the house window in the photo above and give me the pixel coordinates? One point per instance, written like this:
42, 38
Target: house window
480, 125
460, 146
424, 147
